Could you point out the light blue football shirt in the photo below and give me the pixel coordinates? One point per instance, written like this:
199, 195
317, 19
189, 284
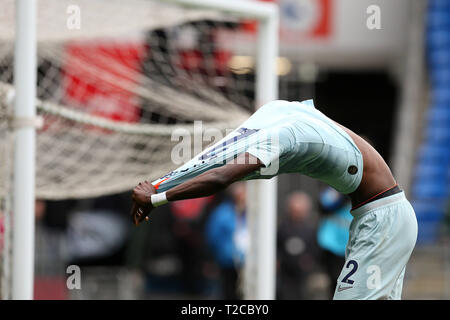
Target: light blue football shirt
286, 137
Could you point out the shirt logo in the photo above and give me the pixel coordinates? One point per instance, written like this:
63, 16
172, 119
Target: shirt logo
352, 169
343, 288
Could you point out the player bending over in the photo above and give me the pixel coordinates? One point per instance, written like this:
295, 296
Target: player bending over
288, 137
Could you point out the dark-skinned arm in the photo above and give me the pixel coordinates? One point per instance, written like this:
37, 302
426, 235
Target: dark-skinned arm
204, 185
215, 180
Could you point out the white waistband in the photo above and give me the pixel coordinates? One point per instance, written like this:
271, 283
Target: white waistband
378, 203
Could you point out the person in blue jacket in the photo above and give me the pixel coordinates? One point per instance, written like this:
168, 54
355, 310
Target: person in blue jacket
226, 236
333, 232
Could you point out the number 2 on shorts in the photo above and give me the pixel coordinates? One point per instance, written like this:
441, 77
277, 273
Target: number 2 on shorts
351, 264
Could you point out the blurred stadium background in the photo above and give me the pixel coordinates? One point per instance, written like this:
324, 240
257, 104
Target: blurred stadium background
159, 67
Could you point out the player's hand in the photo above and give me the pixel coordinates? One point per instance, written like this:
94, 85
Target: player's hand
139, 213
142, 193
142, 202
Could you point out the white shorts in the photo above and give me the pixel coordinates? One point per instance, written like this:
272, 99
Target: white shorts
383, 234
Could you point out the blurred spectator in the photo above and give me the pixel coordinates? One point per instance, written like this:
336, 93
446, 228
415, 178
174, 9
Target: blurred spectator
187, 229
152, 256
50, 276
226, 234
296, 248
333, 233
39, 209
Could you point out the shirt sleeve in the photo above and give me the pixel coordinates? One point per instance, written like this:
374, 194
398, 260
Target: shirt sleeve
268, 146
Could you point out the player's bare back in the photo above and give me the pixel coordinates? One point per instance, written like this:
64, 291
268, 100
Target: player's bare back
377, 176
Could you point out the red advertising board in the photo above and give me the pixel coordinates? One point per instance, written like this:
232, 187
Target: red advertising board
100, 77
301, 19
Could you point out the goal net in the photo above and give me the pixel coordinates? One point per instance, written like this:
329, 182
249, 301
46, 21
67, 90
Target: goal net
115, 80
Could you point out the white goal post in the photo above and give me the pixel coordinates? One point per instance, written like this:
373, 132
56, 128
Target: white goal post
259, 275
25, 69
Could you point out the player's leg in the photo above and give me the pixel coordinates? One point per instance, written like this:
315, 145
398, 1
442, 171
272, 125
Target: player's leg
382, 237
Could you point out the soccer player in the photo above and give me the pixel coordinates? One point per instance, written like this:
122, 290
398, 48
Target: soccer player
288, 137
